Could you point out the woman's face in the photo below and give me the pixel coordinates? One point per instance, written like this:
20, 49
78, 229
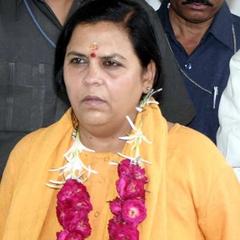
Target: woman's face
102, 74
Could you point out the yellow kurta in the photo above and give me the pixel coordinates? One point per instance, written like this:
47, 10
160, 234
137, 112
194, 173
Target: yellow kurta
192, 193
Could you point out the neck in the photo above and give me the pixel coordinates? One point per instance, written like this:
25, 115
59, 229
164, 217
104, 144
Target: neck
187, 33
101, 144
101, 140
60, 8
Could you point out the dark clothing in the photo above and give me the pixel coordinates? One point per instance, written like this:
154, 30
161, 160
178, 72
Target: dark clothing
175, 104
28, 99
207, 66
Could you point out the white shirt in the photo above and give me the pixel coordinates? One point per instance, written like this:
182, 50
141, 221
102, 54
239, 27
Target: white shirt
234, 6
228, 135
156, 3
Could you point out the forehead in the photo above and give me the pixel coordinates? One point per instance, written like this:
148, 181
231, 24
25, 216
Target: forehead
107, 35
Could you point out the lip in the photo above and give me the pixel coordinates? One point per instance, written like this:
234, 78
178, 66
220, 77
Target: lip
197, 6
93, 101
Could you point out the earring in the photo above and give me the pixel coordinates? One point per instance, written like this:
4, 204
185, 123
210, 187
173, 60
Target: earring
147, 90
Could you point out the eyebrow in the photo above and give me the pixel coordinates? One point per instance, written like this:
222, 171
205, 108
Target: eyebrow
75, 54
115, 55
107, 57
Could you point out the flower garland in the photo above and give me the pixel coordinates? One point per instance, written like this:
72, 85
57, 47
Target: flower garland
128, 208
73, 207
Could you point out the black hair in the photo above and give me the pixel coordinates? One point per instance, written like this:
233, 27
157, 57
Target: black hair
131, 15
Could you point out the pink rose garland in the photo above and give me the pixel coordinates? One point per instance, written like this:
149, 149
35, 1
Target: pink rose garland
73, 206
129, 208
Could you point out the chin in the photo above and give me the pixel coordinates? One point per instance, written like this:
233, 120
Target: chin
94, 119
198, 18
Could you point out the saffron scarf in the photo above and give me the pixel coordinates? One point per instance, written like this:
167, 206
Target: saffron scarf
27, 200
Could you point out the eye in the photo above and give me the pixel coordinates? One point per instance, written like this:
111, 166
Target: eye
78, 60
111, 63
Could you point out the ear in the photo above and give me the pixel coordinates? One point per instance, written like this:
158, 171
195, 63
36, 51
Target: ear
148, 76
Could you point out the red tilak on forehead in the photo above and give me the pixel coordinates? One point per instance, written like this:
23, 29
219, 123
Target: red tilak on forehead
93, 55
93, 48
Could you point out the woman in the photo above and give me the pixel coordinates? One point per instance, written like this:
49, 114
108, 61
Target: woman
122, 170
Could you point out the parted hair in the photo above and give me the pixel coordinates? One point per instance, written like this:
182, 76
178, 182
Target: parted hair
131, 15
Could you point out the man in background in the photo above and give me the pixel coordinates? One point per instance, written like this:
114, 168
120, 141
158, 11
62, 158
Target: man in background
29, 30
234, 5
203, 35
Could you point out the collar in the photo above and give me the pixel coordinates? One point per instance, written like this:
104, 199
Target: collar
221, 27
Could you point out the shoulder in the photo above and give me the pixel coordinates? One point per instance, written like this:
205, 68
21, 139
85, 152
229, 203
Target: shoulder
195, 165
193, 152
187, 136
44, 137
35, 148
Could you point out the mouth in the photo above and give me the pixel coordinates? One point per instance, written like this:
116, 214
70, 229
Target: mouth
199, 4
93, 101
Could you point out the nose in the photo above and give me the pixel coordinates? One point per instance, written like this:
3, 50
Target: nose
94, 75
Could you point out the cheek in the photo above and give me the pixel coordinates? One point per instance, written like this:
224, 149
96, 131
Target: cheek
126, 90
73, 89
72, 79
